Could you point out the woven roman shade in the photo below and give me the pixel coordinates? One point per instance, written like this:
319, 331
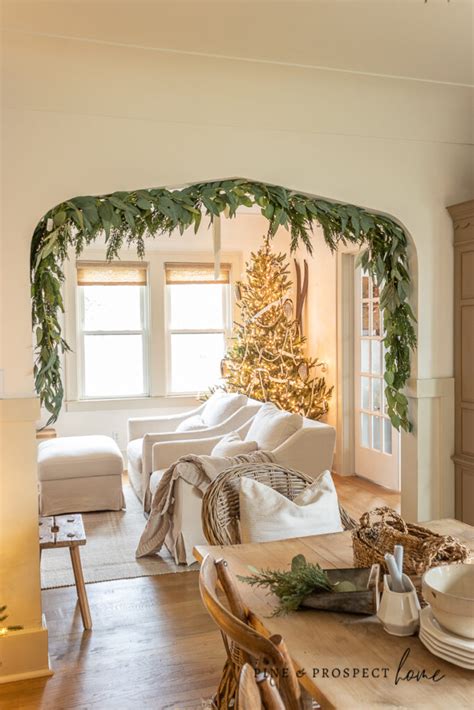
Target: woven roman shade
189, 273
101, 273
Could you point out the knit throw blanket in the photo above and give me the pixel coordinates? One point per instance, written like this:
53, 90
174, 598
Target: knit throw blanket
197, 471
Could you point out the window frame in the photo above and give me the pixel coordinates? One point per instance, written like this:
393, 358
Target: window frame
157, 351
82, 333
226, 330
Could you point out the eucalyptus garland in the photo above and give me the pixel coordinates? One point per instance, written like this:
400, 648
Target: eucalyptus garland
128, 218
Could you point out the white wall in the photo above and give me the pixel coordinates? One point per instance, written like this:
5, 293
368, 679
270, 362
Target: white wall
398, 147
320, 312
87, 118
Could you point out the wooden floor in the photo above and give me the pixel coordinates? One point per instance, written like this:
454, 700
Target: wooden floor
152, 646
357, 495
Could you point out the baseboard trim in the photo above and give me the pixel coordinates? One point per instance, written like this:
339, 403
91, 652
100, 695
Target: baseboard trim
27, 675
24, 654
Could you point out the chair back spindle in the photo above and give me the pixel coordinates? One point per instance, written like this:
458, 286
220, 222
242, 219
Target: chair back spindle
262, 653
257, 693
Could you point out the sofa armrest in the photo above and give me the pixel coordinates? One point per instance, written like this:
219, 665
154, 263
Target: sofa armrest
309, 450
139, 426
167, 452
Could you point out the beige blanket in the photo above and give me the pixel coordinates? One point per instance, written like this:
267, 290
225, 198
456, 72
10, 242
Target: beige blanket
198, 471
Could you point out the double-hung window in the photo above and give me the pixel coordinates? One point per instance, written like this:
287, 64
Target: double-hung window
112, 343
198, 322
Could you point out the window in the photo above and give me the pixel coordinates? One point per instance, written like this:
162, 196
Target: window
198, 317
112, 329
143, 331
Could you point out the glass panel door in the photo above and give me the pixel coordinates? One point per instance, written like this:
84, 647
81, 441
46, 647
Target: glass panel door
376, 441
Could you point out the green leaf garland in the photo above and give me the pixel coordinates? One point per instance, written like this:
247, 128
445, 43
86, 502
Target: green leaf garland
128, 218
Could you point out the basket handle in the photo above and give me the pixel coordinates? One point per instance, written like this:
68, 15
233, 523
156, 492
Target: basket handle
374, 583
384, 515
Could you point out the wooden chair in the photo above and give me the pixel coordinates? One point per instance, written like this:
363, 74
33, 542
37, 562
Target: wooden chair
244, 640
257, 693
220, 504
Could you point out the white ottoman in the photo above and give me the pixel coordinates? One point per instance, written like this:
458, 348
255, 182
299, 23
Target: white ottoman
79, 474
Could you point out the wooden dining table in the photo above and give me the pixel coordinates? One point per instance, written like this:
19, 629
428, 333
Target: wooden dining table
348, 661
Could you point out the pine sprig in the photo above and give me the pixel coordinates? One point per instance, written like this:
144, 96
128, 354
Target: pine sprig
291, 586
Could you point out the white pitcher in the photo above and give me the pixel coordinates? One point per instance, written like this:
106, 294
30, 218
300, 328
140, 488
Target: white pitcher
399, 611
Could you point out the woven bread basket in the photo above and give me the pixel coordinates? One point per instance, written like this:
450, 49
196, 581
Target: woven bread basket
382, 528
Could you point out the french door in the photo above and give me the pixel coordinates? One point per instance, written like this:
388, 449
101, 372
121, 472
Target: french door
376, 441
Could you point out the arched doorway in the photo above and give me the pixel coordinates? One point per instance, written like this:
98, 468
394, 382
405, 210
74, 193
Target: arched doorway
133, 216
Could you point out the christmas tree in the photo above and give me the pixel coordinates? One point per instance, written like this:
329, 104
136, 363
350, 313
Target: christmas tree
267, 359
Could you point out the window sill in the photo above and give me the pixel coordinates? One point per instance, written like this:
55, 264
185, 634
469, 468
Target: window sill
165, 402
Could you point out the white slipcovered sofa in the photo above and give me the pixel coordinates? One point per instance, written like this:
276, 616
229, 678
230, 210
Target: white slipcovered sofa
295, 442
221, 413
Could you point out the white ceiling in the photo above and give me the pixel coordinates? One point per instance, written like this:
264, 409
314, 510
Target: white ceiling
406, 38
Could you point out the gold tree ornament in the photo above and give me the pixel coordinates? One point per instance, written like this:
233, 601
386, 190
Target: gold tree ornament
288, 309
303, 371
267, 359
223, 367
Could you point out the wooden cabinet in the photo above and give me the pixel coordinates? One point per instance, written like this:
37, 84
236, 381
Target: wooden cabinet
463, 218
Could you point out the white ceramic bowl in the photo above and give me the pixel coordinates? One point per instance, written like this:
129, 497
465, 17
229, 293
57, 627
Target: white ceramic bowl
449, 590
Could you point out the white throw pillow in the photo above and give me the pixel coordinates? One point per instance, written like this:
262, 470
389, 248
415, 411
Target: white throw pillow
194, 423
271, 427
232, 445
267, 515
221, 405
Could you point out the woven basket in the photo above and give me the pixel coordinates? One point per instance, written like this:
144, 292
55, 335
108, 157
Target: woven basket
382, 528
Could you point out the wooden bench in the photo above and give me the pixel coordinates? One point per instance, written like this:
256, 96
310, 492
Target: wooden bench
68, 531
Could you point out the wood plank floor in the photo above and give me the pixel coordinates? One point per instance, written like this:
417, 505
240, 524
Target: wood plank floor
152, 645
357, 495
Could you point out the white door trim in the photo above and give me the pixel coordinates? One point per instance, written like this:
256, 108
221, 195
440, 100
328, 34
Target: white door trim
345, 280
378, 457
345, 363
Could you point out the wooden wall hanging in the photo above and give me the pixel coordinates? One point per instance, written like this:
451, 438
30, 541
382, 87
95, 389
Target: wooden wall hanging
301, 292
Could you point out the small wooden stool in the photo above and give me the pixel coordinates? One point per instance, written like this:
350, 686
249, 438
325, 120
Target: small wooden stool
68, 531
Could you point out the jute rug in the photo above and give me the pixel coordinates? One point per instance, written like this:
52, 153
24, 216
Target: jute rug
109, 554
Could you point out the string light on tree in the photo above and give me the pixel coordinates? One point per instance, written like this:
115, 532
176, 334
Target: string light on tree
267, 359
